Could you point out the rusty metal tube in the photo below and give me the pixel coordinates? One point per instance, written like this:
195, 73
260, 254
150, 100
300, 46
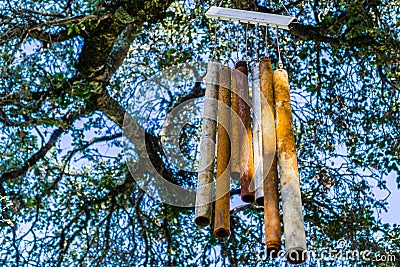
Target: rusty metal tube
205, 182
270, 173
245, 135
295, 240
235, 123
257, 137
222, 202
272, 220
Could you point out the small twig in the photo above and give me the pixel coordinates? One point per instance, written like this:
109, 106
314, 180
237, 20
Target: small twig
22, 11
11, 59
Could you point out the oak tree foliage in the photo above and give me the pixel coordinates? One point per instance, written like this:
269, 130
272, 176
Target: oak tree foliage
69, 70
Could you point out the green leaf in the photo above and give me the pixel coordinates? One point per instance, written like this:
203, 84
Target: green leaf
70, 30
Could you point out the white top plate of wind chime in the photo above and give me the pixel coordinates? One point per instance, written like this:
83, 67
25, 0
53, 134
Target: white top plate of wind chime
251, 17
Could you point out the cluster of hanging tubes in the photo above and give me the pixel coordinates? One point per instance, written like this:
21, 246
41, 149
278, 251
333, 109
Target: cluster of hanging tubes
243, 142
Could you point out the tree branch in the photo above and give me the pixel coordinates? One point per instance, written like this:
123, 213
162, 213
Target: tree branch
68, 119
308, 32
15, 32
51, 38
71, 154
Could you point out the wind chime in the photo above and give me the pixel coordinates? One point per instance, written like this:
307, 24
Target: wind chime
241, 146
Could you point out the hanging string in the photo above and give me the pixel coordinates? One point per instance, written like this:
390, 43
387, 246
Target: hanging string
266, 41
246, 57
229, 38
237, 46
258, 43
214, 53
279, 49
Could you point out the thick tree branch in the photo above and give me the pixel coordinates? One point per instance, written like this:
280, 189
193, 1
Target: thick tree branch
318, 33
308, 32
68, 120
119, 51
107, 45
146, 145
50, 38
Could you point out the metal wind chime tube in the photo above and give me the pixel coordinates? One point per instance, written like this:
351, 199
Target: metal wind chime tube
235, 123
245, 134
257, 138
222, 202
205, 182
271, 139
295, 240
270, 172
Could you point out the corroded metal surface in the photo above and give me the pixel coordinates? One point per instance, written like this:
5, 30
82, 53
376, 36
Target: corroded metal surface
245, 135
271, 212
295, 241
257, 135
207, 148
271, 194
222, 202
235, 161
